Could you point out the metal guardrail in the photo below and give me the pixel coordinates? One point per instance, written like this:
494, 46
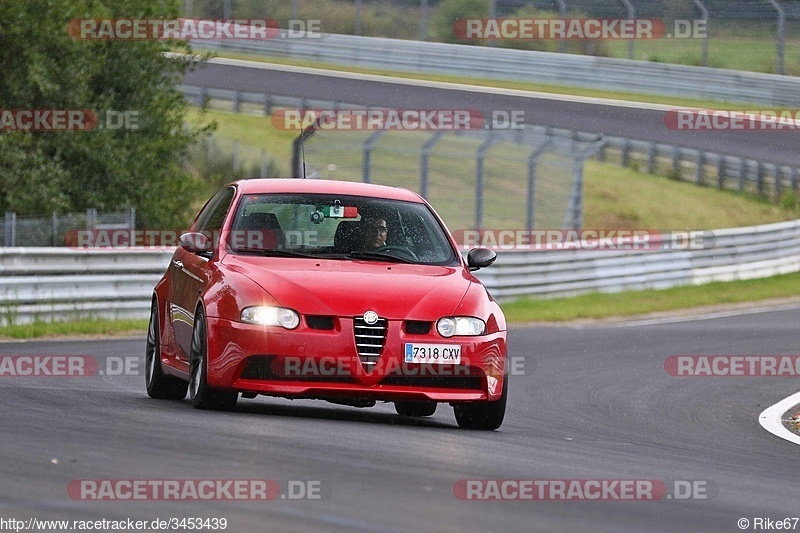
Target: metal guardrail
739, 253
47, 284
702, 167
523, 65
57, 284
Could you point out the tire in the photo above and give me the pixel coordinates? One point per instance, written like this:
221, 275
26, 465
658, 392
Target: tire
203, 396
485, 416
158, 384
415, 408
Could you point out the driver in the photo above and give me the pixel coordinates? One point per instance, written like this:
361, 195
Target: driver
373, 233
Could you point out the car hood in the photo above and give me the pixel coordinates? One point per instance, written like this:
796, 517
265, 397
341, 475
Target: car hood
349, 288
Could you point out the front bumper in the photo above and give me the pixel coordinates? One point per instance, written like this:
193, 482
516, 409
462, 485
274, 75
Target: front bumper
310, 363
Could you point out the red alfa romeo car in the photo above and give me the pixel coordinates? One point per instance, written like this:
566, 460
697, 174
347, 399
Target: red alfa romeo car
347, 292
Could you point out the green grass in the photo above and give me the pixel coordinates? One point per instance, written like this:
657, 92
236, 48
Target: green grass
76, 327
614, 197
628, 303
750, 54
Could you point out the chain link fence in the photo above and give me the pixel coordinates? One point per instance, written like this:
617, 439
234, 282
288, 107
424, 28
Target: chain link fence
54, 230
769, 25
476, 179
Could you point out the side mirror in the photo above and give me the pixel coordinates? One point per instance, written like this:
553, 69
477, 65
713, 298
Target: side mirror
480, 258
194, 242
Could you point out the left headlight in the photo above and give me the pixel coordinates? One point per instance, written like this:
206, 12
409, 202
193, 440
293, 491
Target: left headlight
460, 325
270, 316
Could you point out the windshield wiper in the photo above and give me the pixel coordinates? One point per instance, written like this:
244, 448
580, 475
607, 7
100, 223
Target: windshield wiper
379, 257
278, 253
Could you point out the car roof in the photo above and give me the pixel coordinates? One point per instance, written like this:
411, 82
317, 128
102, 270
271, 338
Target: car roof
319, 186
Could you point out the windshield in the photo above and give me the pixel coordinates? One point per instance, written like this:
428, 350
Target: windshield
339, 227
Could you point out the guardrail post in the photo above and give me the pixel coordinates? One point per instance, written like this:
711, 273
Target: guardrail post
781, 45
721, 172
778, 178
267, 105
701, 162
479, 168
742, 174
294, 9
793, 178
704, 15
651, 159
11, 228
132, 219
631, 15
676, 162
625, 156
424, 165
760, 177
366, 162
237, 101
530, 203
203, 96
226, 9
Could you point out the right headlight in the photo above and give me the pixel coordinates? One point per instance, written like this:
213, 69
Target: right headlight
270, 316
460, 325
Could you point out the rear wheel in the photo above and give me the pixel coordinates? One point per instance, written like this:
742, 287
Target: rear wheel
482, 415
415, 408
203, 396
159, 385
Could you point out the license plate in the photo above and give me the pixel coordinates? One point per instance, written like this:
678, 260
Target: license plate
442, 354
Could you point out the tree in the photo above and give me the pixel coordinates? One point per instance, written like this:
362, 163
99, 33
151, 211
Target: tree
44, 68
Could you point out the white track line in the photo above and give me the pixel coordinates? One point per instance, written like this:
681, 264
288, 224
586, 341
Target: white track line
441, 84
399, 80
771, 418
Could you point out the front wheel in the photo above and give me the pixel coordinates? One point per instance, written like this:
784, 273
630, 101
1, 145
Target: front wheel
203, 396
159, 385
415, 408
482, 415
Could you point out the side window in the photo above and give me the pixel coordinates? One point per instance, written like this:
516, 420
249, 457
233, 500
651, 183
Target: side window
213, 215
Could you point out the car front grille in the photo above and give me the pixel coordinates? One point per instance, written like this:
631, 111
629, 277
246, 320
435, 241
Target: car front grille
369, 341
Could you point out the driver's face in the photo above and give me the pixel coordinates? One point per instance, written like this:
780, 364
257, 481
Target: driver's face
375, 233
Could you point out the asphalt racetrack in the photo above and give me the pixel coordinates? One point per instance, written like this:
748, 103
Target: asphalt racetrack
592, 403
636, 121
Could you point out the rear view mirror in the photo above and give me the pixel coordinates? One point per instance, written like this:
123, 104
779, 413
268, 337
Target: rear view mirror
194, 242
480, 258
